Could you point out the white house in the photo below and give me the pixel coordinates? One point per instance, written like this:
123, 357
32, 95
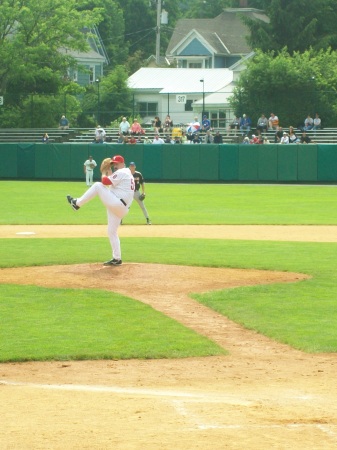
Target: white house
182, 93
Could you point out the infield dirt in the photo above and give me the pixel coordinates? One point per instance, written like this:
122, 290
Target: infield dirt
262, 395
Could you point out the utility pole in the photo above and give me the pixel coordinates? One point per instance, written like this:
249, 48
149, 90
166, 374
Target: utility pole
158, 32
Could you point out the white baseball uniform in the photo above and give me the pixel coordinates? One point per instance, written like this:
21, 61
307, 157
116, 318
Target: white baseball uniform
117, 199
89, 171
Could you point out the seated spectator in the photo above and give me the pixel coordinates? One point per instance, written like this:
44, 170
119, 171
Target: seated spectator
132, 140
64, 123
234, 125
208, 138
177, 140
45, 138
305, 139
168, 124
245, 124
317, 122
293, 139
218, 138
273, 122
196, 139
285, 138
205, 124
147, 140
184, 138
168, 139
126, 140
255, 140
308, 123
157, 140
157, 125
124, 127
177, 131
136, 129
100, 134
278, 135
194, 127
120, 139
246, 140
262, 124
265, 140
189, 136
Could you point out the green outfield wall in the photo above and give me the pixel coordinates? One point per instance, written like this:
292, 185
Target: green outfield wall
204, 163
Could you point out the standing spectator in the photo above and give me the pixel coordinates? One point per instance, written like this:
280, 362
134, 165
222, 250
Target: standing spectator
208, 138
317, 122
273, 122
100, 134
157, 140
218, 138
308, 123
88, 167
194, 127
136, 128
168, 124
64, 123
245, 124
262, 124
116, 193
206, 124
157, 125
124, 127
139, 184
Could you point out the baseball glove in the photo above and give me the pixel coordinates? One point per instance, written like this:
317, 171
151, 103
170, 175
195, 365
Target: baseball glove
106, 165
142, 197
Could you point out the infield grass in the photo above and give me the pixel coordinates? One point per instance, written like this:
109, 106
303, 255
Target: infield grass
302, 314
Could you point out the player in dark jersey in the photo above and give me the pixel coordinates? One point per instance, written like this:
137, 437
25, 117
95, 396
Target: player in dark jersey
139, 189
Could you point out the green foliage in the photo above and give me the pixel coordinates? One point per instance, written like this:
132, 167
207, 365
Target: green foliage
297, 25
200, 9
291, 86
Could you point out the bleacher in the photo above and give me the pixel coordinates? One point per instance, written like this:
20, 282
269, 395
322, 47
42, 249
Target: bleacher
87, 135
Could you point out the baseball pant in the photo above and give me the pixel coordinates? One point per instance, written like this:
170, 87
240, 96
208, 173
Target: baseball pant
116, 210
89, 175
141, 204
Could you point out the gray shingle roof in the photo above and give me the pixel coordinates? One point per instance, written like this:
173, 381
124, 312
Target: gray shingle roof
226, 33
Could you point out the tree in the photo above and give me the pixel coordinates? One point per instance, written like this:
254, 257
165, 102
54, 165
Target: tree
297, 25
290, 85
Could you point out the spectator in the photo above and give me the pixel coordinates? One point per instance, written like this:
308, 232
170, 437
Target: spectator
45, 138
305, 139
317, 122
177, 140
262, 124
177, 132
168, 139
196, 139
293, 139
168, 124
120, 139
246, 141
285, 138
124, 127
208, 138
157, 140
266, 140
64, 123
278, 135
234, 125
308, 123
157, 125
273, 122
132, 140
255, 140
136, 129
245, 124
218, 138
184, 138
206, 124
194, 127
100, 134
147, 140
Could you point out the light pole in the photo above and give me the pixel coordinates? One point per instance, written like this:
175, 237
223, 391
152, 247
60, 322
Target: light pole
203, 97
98, 99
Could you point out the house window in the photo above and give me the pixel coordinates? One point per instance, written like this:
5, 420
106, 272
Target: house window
148, 109
188, 105
75, 75
91, 74
195, 65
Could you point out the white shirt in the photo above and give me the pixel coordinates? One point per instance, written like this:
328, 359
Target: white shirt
100, 132
90, 165
123, 184
124, 126
285, 140
158, 141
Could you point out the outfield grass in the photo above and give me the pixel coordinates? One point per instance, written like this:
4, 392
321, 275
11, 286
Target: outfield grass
300, 314
25, 202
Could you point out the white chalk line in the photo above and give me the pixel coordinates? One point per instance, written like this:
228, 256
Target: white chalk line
179, 403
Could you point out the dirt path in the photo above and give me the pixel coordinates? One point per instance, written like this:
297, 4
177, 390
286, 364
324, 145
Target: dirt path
262, 395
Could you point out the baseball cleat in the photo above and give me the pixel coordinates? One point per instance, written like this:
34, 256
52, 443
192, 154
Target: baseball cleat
72, 202
113, 262
148, 221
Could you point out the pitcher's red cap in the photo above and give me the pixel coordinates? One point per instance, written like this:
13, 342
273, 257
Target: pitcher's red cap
117, 159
